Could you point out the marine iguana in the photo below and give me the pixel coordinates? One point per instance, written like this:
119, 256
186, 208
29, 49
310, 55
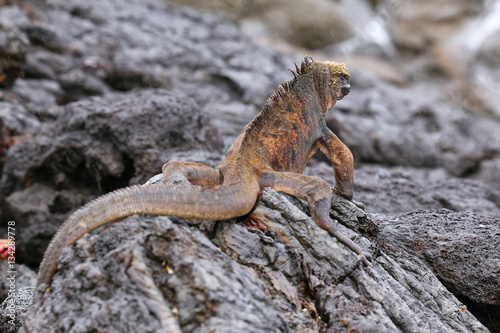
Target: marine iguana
272, 151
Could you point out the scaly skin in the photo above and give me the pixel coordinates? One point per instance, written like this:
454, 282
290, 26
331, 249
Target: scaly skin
272, 151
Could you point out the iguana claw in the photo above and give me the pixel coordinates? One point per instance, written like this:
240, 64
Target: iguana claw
358, 204
366, 259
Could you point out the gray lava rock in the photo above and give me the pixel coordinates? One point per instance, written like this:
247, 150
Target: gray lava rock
283, 274
16, 121
39, 97
160, 273
461, 247
98, 136
13, 46
400, 190
416, 26
140, 45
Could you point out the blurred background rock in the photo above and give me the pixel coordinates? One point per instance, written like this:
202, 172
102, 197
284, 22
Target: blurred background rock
417, 39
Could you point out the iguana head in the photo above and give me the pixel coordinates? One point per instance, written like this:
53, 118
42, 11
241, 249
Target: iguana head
331, 79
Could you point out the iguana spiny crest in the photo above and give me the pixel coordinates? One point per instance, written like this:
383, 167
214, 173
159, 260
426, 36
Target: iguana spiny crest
330, 79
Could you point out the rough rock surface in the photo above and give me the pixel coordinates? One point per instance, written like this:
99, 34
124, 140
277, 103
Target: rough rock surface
175, 271
468, 261
403, 190
283, 274
461, 248
102, 135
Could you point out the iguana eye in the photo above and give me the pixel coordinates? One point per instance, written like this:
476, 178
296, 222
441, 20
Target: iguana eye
343, 77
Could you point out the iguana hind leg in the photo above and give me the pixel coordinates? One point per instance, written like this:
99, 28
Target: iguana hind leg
317, 193
179, 172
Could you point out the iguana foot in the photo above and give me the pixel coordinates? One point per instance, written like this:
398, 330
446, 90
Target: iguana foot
358, 204
336, 194
366, 259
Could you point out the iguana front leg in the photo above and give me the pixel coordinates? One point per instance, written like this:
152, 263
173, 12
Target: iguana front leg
317, 193
341, 157
342, 160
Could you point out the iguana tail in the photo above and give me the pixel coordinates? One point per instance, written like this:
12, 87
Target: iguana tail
187, 201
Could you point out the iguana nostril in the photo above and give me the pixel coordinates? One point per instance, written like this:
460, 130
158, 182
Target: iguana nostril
346, 88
